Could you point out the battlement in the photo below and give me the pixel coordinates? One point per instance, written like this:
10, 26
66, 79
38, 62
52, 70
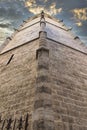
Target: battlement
55, 30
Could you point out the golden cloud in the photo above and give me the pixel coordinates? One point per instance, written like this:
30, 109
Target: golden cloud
30, 3
79, 24
36, 9
53, 10
80, 14
53, 5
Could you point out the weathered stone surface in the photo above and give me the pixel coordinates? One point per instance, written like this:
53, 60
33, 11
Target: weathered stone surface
68, 71
43, 89
17, 82
47, 80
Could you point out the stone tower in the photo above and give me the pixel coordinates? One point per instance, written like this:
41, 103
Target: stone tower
43, 78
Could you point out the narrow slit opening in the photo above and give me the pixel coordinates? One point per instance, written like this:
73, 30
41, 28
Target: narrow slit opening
10, 59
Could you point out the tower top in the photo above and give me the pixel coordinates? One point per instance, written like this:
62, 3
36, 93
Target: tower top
55, 29
42, 14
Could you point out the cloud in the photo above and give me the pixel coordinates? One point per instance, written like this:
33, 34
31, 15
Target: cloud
54, 10
79, 24
45, 1
6, 29
12, 14
5, 23
30, 3
4, 32
80, 14
36, 9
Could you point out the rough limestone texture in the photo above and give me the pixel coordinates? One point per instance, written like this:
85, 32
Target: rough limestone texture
68, 71
43, 85
17, 83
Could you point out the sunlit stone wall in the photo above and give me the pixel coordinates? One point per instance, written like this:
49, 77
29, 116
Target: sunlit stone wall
68, 71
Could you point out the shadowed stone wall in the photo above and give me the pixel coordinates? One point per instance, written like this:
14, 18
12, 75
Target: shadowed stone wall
17, 84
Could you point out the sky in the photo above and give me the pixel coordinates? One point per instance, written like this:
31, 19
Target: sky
73, 13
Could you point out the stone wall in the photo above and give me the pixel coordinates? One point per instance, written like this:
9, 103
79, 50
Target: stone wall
43, 86
68, 71
17, 85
